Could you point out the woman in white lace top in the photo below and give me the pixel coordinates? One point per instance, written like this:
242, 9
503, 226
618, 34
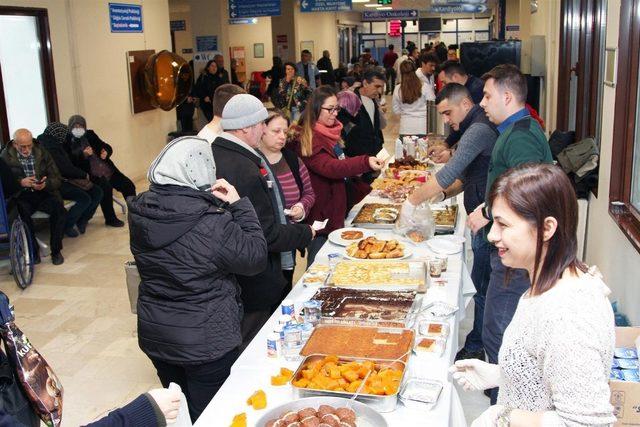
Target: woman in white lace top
554, 363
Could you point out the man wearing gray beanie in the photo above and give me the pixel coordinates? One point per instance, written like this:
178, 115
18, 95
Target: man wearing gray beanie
240, 163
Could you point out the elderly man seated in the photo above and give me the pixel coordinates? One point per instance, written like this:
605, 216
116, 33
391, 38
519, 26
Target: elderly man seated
38, 176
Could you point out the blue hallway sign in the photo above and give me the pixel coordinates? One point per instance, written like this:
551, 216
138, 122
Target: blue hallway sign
253, 8
325, 5
125, 18
206, 43
381, 15
459, 8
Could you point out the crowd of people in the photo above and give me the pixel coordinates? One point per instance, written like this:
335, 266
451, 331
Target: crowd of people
271, 175
66, 163
215, 237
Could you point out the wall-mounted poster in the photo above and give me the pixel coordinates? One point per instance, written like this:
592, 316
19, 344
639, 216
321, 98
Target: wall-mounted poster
258, 50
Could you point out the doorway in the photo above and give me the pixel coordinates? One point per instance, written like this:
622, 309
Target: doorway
28, 96
580, 70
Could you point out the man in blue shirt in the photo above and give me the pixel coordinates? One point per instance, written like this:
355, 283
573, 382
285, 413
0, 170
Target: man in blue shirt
521, 141
308, 70
466, 171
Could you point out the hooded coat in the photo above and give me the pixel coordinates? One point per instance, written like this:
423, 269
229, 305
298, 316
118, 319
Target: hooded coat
188, 245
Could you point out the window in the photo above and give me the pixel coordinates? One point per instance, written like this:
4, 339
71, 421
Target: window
624, 192
27, 84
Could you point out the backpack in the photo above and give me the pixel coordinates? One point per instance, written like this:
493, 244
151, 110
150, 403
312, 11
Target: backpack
577, 155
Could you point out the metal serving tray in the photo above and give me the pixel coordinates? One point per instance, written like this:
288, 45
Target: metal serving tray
417, 274
446, 229
379, 403
360, 219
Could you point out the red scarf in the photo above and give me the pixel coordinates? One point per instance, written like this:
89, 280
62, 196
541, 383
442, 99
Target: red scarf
333, 132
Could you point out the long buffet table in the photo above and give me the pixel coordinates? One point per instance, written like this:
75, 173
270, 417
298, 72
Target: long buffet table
253, 369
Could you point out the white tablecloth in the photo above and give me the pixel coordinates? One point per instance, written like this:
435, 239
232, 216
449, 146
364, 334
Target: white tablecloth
253, 369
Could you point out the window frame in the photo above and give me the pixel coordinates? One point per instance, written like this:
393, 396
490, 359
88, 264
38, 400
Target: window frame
46, 57
624, 124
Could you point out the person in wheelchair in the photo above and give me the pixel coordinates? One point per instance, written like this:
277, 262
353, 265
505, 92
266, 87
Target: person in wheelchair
91, 154
36, 173
75, 184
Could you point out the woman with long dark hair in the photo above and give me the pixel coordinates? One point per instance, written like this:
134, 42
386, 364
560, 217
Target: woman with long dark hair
207, 83
318, 144
556, 355
410, 101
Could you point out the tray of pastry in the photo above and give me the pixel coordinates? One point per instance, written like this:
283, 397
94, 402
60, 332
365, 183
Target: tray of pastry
367, 306
379, 274
360, 341
446, 218
377, 215
377, 380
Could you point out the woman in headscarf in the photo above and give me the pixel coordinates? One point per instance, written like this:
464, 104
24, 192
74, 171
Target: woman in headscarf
91, 154
350, 104
75, 184
189, 235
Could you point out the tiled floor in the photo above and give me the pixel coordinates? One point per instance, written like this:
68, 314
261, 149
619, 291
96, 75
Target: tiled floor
78, 316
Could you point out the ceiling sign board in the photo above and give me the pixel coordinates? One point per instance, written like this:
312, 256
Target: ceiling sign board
325, 5
125, 18
459, 8
457, 2
381, 15
253, 8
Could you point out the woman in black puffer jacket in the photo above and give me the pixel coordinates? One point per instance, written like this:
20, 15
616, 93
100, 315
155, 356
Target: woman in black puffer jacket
189, 236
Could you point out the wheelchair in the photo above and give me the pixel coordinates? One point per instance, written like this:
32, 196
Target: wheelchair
16, 245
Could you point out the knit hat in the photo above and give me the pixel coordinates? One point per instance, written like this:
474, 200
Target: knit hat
243, 111
57, 130
77, 120
187, 162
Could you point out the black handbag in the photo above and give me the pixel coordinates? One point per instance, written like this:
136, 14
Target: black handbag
12, 399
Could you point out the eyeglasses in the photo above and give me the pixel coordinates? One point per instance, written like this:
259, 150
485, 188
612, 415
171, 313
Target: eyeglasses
332, 109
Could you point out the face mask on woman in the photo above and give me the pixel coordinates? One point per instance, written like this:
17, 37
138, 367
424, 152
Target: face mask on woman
78, 132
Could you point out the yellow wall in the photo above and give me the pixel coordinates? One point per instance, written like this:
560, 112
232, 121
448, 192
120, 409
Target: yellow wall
182, 39
320, 28
248, 34
91, 75
606, 246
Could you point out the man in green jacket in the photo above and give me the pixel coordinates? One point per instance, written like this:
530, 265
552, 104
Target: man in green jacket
521, 140
37, 174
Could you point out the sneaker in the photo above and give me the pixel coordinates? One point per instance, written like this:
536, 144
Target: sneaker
57, 259
71, 232
115, 223
466, 354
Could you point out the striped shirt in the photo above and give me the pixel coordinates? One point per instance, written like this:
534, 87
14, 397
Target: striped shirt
290, 188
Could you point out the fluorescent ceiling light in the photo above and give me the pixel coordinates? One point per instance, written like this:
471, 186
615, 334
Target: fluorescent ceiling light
371, 5
384, 8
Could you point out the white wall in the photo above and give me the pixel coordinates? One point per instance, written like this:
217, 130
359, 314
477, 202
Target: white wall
607, 247
91, 75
